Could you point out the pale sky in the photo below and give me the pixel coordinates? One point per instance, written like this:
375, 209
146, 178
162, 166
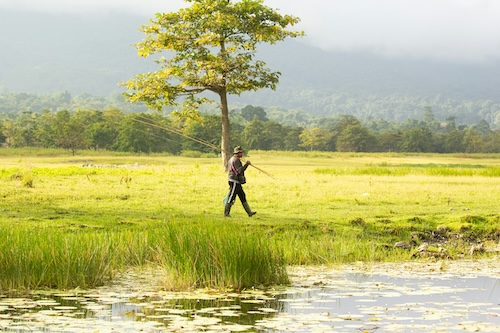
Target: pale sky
455, 30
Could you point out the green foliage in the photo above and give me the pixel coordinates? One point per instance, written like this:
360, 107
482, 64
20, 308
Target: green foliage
105, 130
355, 138
254, 134
69, 129
213, 44
145, 133
249, 112
112, 130
207, 129
315, 138
209, 46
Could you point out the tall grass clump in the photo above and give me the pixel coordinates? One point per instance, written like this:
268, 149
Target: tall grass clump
218, 255
193, 255
47, 258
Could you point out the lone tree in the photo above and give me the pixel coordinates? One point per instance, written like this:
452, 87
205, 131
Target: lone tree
209, 46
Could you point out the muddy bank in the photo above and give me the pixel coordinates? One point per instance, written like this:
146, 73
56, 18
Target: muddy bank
316, 275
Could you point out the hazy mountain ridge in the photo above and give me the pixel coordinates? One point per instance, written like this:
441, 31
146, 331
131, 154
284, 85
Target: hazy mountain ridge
69, 52
93, 54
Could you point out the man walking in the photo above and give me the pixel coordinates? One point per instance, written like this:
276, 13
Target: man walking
236, 178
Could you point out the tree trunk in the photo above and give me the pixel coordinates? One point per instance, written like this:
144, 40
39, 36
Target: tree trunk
226, 140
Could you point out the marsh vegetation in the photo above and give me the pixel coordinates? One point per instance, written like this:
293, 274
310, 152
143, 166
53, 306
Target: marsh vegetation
79, 221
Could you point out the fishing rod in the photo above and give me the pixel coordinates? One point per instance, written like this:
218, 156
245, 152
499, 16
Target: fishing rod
264, 172
177, 131
198, 140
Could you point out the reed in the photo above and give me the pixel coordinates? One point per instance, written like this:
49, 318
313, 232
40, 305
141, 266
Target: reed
215, 255
32, 258
194, 255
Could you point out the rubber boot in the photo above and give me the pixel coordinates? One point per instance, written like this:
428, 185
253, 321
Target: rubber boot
248, 210
227, 209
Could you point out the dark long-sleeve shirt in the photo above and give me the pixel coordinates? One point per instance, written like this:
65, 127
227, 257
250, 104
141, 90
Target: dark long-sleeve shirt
235, 168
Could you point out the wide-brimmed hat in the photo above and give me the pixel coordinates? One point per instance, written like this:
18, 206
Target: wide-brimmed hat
237, 150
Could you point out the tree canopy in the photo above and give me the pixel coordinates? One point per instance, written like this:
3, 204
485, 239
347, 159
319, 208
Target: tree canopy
209, 46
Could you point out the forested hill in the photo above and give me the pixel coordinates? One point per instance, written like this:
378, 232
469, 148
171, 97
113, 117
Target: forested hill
368, 86
91, 55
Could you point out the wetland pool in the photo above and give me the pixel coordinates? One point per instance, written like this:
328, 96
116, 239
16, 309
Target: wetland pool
456, 296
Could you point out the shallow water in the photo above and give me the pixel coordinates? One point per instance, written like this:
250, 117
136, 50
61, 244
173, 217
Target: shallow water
360, 303
388, 298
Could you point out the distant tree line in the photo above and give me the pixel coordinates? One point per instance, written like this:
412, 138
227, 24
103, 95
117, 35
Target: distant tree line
396, 108
146, 132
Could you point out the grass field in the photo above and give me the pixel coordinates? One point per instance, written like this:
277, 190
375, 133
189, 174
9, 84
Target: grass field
68, 221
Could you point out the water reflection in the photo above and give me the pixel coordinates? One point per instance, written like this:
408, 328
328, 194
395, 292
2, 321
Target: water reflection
391, 304
336, 301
